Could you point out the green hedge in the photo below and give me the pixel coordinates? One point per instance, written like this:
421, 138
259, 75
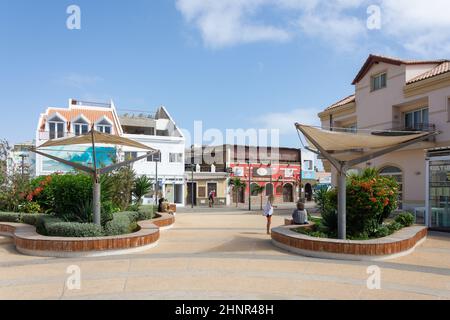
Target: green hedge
42, 224
9, 217
74, 229
31, 218
122, 223
406, 219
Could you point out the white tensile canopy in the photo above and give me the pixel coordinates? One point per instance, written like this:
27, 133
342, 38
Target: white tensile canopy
345, 150
92, 138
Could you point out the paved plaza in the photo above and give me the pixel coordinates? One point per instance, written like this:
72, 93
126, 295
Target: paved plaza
225, 255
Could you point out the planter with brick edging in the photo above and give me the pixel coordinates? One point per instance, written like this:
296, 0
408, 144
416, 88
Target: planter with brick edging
399, 244
29, 242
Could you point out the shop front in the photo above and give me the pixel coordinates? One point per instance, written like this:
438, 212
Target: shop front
438, 189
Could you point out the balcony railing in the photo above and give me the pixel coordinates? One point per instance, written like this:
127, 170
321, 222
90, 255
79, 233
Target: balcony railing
400, 131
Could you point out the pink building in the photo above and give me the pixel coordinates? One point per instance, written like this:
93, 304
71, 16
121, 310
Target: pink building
404, 95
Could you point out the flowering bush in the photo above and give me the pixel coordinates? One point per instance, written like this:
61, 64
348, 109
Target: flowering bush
371, 198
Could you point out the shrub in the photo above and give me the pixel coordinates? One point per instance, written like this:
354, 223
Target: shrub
9, 217
31, 218
329, 210
383, 231
74, 229
43, 222
69, 192
371, 198
406, 219
132, 215
30, 207
395, 226
121, 224
145, 214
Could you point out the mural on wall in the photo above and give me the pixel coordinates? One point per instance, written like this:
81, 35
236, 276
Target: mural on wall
83, 155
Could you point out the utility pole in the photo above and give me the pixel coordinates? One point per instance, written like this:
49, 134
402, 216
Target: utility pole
249, 186
192, 186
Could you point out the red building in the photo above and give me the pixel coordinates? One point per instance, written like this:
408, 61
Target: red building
279, 174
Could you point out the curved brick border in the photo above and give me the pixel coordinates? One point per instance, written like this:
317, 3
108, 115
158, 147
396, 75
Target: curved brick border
398, 244
29, 242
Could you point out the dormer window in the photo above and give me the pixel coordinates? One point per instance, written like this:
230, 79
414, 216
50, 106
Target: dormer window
56, 127
104, 127
80, 127
379, 81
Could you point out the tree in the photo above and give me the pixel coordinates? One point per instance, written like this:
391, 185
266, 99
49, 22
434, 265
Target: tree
237, 185
142, 186
258, 190
123, 183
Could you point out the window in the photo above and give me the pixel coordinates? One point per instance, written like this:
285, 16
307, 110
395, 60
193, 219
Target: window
81, 128
308, 165
176, 157
130, 155
379, 81
254, 189
56, 129
417, 120
154, 157
104, 126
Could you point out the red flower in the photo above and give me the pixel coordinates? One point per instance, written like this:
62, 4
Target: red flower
30, 198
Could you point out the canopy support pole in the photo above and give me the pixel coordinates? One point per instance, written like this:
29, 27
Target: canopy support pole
96, 196
342, 204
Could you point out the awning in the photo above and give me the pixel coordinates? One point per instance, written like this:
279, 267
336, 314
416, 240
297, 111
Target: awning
352, 147
100, 138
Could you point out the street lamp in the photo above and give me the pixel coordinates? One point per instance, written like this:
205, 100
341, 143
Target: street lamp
249, 186
23, 156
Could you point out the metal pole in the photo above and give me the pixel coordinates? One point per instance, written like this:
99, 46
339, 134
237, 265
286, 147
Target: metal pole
192, 186
342, 204
156, 183
249, 187
96, 197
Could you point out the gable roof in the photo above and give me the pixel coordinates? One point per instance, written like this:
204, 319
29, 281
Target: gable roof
374, 59
440, 69
343, 102
92, 115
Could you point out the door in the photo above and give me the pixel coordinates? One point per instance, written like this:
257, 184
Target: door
191, 188
288, 195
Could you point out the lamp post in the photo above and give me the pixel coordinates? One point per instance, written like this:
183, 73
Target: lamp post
249, 186
23, 156
192, 186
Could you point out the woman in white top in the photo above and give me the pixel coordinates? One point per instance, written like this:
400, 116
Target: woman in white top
268, 212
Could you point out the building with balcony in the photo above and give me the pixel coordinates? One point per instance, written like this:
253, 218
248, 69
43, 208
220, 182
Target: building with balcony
157, 130
401, 96
278, 170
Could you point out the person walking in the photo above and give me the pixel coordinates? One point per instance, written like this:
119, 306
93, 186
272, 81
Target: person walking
268, 212
211, 197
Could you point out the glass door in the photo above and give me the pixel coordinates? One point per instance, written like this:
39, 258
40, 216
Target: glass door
439, 195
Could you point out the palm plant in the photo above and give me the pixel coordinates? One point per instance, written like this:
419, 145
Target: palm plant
142, 186
237, 185
258, 190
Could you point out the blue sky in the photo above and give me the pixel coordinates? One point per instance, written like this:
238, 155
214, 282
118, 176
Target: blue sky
230, 63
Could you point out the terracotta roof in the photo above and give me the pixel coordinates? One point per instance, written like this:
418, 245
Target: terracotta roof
440, 69
342, 102
92, 115
373, 59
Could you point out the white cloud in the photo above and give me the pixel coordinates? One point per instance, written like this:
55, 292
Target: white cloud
80, 81
285, 121
420, 27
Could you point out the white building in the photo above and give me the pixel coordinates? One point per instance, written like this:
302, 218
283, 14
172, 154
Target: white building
158, 131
